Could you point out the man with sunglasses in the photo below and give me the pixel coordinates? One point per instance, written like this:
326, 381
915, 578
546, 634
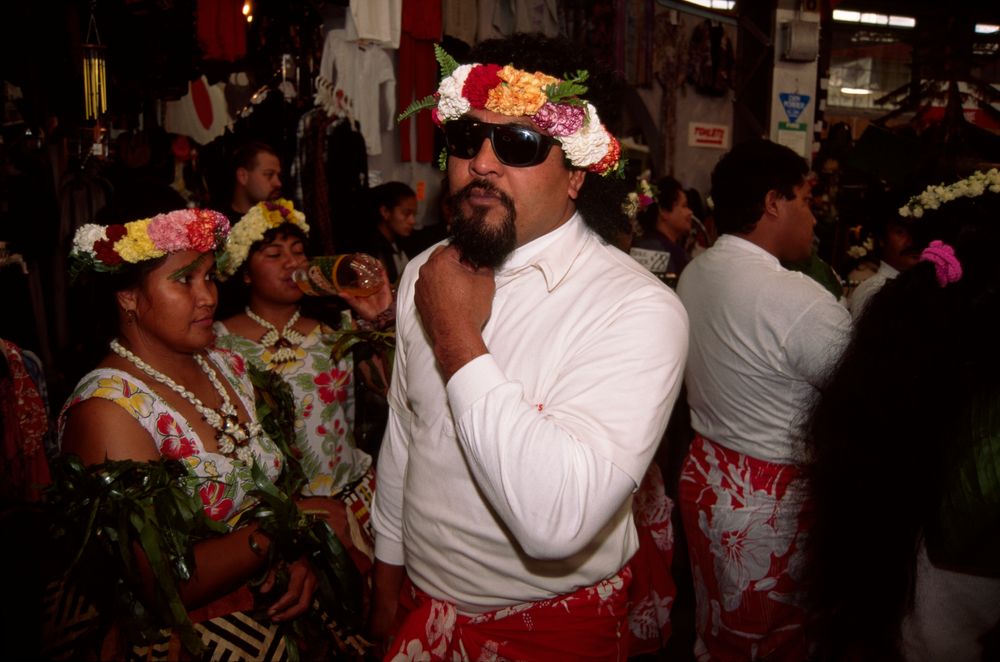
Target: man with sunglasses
536, 366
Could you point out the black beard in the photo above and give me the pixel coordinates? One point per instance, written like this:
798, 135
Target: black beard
480, 243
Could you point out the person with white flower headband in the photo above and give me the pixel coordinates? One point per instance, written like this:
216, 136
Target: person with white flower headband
536, 366
903, 450
897, 251
762, 338
265, 247
163, 391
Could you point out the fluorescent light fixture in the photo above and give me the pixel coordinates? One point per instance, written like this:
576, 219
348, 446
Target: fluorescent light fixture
846, 16
854, 90
986, 28
874, 19
713, 4
870, 18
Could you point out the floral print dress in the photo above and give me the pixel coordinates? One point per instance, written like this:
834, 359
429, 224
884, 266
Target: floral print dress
324, 407
226, 481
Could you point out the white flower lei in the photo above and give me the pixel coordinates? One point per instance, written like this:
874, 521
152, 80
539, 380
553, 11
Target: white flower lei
934, 196
249, 230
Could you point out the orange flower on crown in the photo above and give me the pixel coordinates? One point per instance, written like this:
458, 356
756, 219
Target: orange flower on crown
523, 94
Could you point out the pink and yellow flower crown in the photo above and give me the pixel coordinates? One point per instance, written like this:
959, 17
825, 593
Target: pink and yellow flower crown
554, 105
111, 248
250, 229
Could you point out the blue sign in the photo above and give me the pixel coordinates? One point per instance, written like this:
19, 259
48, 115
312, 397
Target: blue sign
793, 104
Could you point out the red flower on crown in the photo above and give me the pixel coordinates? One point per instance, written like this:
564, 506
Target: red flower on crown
105, 252
479, 82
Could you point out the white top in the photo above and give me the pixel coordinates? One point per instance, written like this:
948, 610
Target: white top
951, 612
360, 72
868, 287
513, 482
379, 21
762, 338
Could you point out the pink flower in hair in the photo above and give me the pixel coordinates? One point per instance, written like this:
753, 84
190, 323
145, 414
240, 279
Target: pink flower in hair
946, 265
559, 119
168, 232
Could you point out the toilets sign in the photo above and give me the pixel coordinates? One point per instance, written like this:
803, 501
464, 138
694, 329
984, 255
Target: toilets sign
793, 104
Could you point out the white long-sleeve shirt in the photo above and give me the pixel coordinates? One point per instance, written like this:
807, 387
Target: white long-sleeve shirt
762, 339
513, 481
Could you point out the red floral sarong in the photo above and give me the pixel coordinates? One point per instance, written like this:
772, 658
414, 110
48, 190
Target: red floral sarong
589, 624
746, 522
653, 589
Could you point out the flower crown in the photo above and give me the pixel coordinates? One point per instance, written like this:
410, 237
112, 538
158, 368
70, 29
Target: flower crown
552, 104
111, 248
250, 229
934, 196
636, 202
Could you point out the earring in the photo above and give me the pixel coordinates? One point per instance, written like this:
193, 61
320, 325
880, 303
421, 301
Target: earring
131, 315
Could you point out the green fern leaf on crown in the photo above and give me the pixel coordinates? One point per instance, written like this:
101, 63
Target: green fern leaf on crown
416, 106
447, 63
569, 89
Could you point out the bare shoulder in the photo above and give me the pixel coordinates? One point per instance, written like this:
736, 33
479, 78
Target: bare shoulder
98, 430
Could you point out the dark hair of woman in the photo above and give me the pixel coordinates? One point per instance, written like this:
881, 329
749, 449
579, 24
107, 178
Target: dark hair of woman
388, 195
887, 426
668, 189
94, 315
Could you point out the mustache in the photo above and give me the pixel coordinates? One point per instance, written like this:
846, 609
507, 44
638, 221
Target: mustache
480, 186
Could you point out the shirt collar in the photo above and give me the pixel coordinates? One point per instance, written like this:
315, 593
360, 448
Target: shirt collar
553, 254
741, 244
887, 269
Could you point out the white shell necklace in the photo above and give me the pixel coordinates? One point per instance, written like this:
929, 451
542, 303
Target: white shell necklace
231, 435
281, 344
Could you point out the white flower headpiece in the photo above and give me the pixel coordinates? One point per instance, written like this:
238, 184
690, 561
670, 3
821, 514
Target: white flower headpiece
250, 229
934, 196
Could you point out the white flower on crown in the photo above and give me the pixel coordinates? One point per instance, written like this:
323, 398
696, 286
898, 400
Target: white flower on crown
936, 195
86, 236
452, 104
588, 145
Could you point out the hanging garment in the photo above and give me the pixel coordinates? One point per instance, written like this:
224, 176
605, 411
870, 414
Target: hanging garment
357, 77
710, 59
202, 114
459, 18
24, 424
376, 21
418, 73
222, 29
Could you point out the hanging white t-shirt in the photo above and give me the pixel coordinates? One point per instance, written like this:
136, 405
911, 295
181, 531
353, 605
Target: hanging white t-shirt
364, 75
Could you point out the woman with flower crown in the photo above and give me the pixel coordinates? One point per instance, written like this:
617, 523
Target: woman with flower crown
162, 392
903, 560
266, 246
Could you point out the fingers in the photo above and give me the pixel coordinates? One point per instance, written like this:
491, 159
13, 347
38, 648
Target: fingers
298, 596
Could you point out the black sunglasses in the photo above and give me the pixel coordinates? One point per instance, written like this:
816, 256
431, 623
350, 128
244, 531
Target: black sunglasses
514, 144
